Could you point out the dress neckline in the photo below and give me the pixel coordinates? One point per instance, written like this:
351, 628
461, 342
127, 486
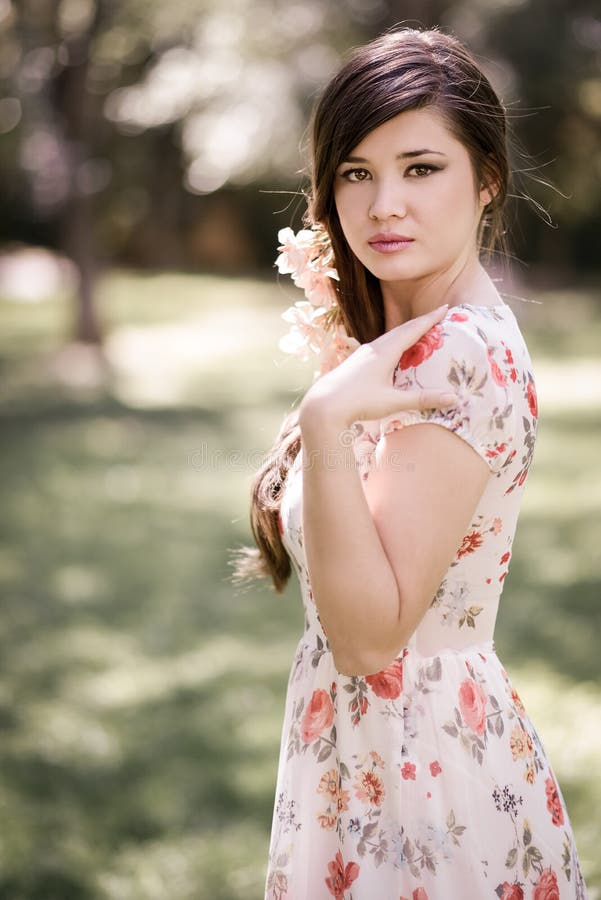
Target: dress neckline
480, 306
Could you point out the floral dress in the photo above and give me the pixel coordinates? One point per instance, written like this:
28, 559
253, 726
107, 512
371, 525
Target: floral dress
427, 780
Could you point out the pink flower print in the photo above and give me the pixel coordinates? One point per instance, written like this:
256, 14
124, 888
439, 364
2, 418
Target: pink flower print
341, 878
546, 888
532, 399
495, 369
423, 349
499, 448
553, 801
516, 700
377, 759
328, 783
318, 715
458, 317
388, 683
510, 891
435, 768
472, 702
408, 771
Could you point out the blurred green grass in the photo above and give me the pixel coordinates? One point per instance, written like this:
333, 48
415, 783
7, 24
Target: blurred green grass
141, 694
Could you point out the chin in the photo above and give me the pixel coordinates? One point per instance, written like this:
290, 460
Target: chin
395, 271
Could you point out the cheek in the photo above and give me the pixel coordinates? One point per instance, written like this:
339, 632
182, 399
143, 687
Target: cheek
454, 207
349, 209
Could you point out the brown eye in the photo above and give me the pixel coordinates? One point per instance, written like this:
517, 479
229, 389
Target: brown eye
357, 174
423, 170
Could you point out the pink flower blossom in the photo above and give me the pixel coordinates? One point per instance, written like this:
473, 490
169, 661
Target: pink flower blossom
307, 256
295, 250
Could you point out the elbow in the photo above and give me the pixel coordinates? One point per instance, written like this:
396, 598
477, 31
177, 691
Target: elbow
359, 664
352, 666
357, 660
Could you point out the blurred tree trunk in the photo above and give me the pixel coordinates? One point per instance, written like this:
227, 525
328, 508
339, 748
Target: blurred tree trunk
78, 114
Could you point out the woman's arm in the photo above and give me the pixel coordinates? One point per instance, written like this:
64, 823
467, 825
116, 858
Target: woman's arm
376, 556
353, 583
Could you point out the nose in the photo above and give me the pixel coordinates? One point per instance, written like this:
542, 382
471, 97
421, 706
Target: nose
387, 201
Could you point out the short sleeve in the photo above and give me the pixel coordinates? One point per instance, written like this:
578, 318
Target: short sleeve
457, 354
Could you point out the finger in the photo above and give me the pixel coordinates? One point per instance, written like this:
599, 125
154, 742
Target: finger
424, 399
408, 333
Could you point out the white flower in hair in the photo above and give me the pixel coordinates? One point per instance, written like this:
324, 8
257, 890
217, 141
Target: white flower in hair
307, 256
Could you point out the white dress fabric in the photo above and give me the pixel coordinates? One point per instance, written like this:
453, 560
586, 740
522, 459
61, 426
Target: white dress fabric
427, 781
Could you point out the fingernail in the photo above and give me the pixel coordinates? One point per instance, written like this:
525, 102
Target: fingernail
444, 306
449, 398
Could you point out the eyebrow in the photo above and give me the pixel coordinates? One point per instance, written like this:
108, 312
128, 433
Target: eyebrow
409, 154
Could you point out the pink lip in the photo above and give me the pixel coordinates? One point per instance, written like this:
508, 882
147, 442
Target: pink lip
389, 242
384, 237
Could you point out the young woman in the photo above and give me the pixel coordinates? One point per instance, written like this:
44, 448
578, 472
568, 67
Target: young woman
409, 767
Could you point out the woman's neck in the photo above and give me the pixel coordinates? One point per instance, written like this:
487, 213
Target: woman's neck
468, 283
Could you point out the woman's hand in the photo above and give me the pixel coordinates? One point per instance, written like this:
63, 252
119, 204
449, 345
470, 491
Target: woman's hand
361, 388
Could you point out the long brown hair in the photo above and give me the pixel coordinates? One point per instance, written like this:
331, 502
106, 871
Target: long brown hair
398, 71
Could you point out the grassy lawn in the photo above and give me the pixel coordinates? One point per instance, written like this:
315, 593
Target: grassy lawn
141, 694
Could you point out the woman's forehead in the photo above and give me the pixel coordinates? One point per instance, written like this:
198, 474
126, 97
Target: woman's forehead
408, 132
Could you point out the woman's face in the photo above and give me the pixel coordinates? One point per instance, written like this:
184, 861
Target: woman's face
409, 179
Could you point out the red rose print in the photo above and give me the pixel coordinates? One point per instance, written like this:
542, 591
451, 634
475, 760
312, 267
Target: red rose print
408, 771
458, 317
470, 542
553, 801
532, 400
318, 715
546, 888
508, 355
513, 375
419, 894
496, 371
340, 878
509, 891
424, 348
504, 558
472, 702
388, 683
435, 768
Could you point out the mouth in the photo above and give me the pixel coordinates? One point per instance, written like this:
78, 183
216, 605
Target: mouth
389, 242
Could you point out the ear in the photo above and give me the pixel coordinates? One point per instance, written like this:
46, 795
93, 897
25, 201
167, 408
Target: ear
488, 192
489, 186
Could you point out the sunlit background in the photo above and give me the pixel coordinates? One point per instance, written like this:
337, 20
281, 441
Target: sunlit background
149, 153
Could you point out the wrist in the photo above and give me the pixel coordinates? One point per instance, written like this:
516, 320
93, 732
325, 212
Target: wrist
316, 417
322, 412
